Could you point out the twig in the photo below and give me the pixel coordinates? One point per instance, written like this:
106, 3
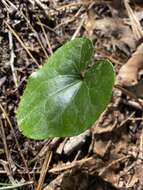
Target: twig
31, 27
127, 119
16, 141
78, 28
128, 93
37, 36
61, 146
72, 5
32, 2
70, 20
46, 36
7, 152
7, 169
69, 166
16, 186
141, 146
6, 5
21, 42
44, 170
55, 142
136, 26
42, 6
12, 59
114, 163
42, 152
75, 142
132, 104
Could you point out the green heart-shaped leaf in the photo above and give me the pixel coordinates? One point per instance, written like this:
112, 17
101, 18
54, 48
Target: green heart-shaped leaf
65, 96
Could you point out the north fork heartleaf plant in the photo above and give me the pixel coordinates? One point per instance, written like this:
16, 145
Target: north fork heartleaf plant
67, 95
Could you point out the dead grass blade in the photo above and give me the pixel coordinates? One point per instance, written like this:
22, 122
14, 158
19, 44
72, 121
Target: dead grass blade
136, 26
46, 36
44, 170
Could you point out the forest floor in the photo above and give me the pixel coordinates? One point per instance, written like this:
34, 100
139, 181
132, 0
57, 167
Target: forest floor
109, 156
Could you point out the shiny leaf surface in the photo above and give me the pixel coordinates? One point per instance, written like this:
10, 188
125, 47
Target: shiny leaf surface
65, 96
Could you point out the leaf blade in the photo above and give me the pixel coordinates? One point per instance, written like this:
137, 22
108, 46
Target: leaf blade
57, 105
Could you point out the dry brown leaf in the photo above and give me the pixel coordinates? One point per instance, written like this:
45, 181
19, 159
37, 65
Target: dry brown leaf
128, 74
120, 34
101, 147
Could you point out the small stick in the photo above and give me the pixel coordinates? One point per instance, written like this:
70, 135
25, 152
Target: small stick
32, 2
141, 146
70, 20
8, 172
6, 5
78, 28
31, 27
16, 141
44, 170
42, 152
12, 59
75, 142
7, 152
72, 5
16, 186
21, 42
128, 93
69, 166
42, 7
132, 104
114, 163
136, 26
46, 36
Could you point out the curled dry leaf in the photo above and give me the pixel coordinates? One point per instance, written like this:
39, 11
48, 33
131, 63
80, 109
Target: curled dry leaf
118, 34
128, 74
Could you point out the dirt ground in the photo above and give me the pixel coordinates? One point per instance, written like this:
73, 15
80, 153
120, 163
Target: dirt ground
109, 156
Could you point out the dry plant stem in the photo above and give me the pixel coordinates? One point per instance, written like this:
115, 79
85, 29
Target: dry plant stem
78, 28
70, 20
44, 170
17, 186
105, 54
55, 142
37, 36
8, 172
75, 142
7, 152
61, 146
42, 152
114, 163
141, 146
136, 26
132, 104
16, 141
6, 5
69, 166
12, 59
85, 2
42, 6
127, 119
21, 42
31, 27
46, 36
56, 181
72, 5
128, 93
128, 74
